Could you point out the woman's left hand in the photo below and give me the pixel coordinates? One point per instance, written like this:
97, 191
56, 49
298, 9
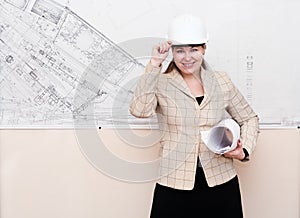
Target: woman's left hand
237, 153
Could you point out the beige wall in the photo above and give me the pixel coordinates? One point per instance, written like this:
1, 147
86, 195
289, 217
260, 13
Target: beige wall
44, 174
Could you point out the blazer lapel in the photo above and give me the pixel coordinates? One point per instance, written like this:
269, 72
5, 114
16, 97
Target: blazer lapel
178, 81
209, 84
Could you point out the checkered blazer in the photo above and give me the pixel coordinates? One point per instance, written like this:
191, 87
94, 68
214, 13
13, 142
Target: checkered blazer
181, 120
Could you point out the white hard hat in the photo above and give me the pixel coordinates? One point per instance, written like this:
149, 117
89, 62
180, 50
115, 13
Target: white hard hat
187, 29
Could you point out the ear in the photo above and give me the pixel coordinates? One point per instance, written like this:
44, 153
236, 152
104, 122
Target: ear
204, 48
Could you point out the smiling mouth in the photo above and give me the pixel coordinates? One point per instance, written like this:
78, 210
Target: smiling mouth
187, 65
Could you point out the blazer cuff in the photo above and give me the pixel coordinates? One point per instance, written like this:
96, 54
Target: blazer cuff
246, 158
152, 69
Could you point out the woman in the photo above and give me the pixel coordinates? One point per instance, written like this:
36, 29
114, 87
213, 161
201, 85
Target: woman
189, 98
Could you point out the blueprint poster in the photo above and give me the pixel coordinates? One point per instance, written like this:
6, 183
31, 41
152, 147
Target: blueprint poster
63, 64
57, 70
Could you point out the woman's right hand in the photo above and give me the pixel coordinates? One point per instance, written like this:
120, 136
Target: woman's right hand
160, 53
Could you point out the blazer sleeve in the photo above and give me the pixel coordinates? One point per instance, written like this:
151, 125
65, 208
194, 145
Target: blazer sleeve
243, 114
144, 101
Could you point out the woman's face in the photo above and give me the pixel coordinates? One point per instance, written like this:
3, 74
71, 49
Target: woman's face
188, 58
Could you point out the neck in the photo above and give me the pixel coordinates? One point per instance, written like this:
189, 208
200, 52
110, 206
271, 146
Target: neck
189, 77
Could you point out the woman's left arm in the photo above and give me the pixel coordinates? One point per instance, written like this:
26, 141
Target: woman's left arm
244, 115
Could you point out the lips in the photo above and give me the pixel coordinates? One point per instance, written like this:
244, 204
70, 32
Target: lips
187, 65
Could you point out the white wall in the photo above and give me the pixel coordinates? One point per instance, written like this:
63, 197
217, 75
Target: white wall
45, 174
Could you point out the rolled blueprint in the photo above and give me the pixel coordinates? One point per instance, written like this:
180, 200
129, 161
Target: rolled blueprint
223, 137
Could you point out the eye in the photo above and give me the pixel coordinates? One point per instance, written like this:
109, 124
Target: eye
194, 49
179, 51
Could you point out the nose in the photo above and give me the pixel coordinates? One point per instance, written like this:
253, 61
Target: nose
187, 55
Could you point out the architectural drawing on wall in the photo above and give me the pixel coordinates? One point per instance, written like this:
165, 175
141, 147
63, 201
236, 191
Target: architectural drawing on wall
249, 78
21, 4
57, 69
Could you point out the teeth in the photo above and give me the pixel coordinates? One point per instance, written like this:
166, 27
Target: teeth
187, 65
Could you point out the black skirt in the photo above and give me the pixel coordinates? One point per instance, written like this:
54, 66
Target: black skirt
203, 201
